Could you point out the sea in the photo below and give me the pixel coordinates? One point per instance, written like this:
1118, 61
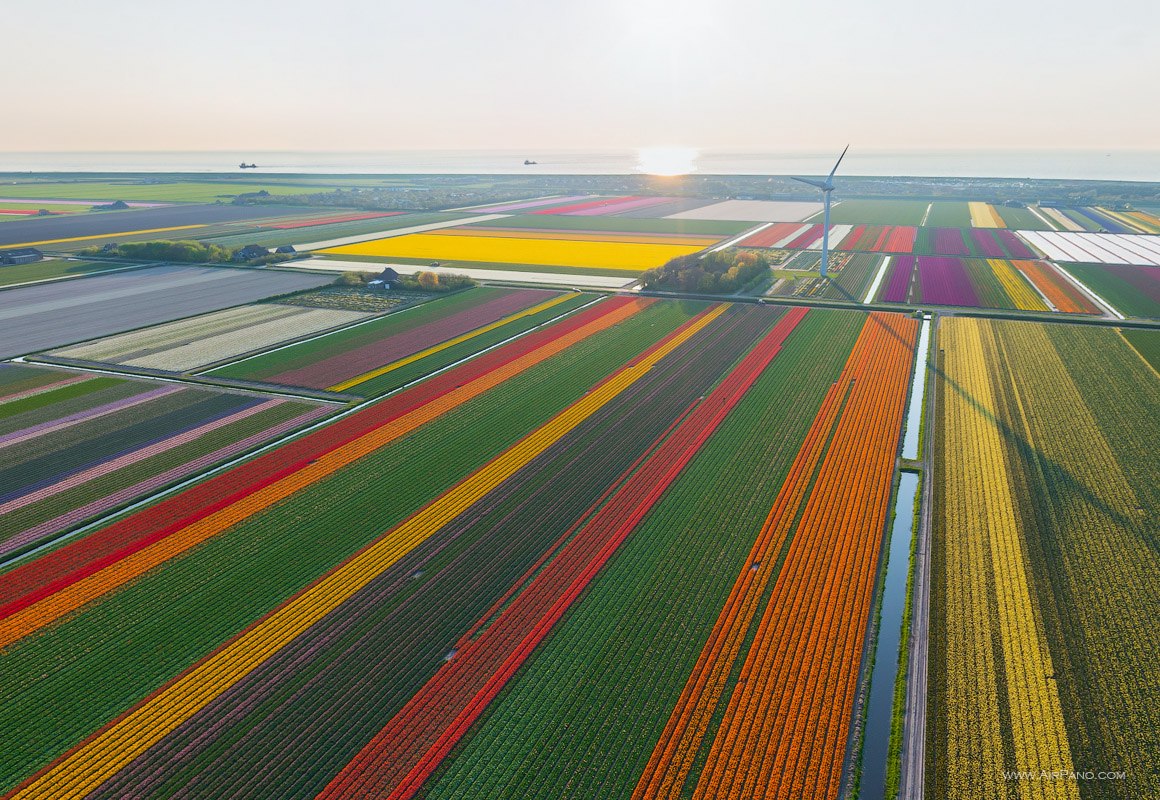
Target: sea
1119, 165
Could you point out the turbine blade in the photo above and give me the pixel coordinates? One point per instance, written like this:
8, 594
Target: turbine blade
818, 184
839, 161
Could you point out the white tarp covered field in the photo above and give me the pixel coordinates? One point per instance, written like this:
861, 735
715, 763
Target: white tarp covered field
1096, 248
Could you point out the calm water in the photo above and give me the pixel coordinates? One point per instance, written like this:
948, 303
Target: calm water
876, 738
1095, 165
918, 387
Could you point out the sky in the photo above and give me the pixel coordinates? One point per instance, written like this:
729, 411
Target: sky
769, 75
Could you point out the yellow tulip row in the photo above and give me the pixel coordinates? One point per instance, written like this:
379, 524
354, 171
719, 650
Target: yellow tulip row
616, 255
1136, 222
984, 215
1099, 522
439, 348
993, 627
1150, 222
94, 762
1016, 287
76, 595
973, 730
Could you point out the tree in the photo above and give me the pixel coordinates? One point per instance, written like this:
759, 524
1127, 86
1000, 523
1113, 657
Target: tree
429, 280
188, 251
720, 272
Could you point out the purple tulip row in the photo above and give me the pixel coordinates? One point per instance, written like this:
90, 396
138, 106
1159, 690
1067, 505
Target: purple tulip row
127, 493
1145, 280
945, 281
898, 287
1015, 246
986, 243
949, 242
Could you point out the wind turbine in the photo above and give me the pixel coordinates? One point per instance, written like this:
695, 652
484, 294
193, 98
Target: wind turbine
826, 186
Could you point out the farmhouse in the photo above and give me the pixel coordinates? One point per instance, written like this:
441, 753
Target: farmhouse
251, 251
287, 249
20, 255
385, 280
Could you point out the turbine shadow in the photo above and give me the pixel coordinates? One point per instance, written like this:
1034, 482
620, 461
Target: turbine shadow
1032, 456
840, 289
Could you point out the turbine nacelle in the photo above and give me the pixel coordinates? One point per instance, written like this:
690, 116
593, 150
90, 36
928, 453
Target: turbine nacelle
823, 185
826, 186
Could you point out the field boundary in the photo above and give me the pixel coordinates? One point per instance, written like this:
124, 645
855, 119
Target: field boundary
373, 316
913, 757
229, 384
161, 494
876, 284
945, 311
851, 777
1084, 288
852, 763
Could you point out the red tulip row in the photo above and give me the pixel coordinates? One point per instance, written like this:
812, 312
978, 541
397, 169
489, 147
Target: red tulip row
784, 731
66, 566
768, 237
347, 363
337, 682
405, 753
586, 206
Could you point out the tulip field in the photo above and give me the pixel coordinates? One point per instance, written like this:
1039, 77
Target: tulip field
849, 276
312, 222
1097, 248
252, 600
191, 344
880, 239
385, 352
624, 224
76, 445
528, 540
597, 250
1131, 290
894, 239
1022, 285
595, 206
1045, 569
788, 715
1147, 344
984, 215
1098, 218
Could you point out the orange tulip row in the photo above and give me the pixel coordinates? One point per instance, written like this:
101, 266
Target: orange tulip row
785, 727
1056, 289
672, 758
20, 620
88, 766
784, 731
402, 756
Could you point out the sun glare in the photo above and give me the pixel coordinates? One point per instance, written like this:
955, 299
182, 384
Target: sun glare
667, 160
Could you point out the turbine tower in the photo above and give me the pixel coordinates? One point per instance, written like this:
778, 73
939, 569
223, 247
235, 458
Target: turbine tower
826, 186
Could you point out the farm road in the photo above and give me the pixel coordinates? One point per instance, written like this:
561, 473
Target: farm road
912, 784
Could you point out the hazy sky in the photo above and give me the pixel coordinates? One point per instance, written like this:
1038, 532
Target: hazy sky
758, 74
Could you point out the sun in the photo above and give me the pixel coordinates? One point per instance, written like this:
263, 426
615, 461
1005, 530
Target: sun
667, 160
